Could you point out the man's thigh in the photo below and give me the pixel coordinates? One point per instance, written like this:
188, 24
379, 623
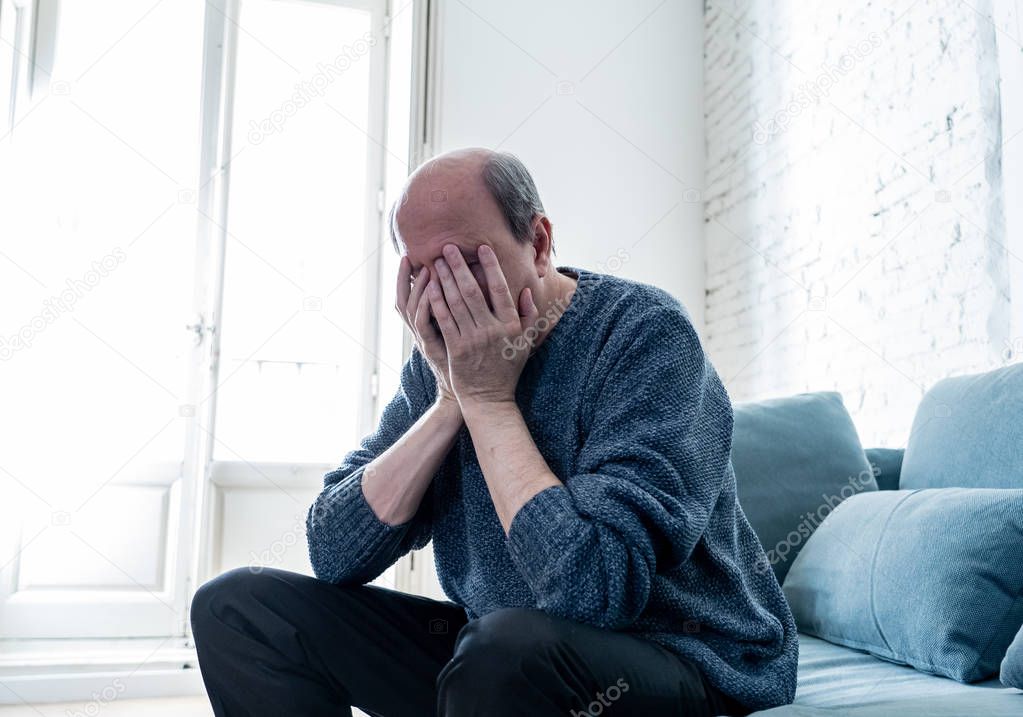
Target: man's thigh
277, 635
533, 663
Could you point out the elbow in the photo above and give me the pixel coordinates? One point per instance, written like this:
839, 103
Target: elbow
604, 613
604, 598
325, 566
328, 567
326, 562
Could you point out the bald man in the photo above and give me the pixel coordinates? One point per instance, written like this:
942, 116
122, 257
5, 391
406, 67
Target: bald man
562, 439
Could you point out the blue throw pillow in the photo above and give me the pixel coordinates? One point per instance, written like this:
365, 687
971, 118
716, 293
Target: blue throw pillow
1012, 665
928, 578
795, 459
968, 432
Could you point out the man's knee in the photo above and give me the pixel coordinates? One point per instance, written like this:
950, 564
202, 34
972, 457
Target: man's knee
233, 589
513, 632
503, 646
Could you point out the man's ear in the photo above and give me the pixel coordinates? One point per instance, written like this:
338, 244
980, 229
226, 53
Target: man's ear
543, 244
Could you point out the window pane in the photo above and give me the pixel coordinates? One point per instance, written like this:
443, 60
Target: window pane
399, 117
295, 285
97, 224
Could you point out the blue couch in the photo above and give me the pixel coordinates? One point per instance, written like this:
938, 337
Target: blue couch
797, 459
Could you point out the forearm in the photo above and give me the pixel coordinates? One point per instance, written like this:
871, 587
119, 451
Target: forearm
512, 465
395, 481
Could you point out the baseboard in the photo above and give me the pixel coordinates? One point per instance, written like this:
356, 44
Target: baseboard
97, 673
99, 688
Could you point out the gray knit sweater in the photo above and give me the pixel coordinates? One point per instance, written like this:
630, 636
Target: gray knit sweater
646, 535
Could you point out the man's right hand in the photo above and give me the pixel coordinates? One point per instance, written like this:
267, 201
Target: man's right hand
413, 304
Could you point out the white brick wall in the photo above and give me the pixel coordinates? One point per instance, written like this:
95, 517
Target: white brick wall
855, 230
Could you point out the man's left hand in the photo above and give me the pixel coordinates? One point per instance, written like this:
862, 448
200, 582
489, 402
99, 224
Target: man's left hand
476, 336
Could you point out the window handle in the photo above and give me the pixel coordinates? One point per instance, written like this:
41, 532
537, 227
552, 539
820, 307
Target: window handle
199, 329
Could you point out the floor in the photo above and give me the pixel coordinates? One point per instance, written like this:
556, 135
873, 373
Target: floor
163, 707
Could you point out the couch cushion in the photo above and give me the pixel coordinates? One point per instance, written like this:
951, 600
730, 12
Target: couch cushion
1012, 665
835, 681
886, 464
929, 578
795, 459
968, 432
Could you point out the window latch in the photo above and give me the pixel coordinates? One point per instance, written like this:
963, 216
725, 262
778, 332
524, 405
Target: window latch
199, 329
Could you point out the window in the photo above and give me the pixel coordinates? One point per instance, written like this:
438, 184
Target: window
191, 324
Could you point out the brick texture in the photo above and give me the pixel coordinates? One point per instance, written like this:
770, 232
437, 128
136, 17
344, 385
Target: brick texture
854, 204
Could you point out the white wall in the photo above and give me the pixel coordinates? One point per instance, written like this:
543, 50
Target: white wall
602, 101
857, 199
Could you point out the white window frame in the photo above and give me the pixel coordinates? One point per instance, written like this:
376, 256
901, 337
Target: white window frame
76, 669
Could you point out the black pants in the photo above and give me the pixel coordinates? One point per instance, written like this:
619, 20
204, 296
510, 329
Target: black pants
279, 643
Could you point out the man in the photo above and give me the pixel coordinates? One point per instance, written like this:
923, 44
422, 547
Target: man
564, 442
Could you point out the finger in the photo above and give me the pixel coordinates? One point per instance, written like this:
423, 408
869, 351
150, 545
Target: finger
467, 284
441, 312
404, 287
500, 295
418, 287
425, 330
453, 297
527, 307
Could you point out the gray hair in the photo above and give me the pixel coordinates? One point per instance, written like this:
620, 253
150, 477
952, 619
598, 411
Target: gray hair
512, 187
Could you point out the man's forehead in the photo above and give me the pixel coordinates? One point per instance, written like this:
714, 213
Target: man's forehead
420, 252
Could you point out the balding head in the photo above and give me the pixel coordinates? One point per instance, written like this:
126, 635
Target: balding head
467, 185
471, 197
468, 198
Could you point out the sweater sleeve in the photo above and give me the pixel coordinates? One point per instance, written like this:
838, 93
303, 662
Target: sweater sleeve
648, 476
348, 543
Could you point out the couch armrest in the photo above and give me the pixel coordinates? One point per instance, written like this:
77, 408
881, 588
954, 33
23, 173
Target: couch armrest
887, 465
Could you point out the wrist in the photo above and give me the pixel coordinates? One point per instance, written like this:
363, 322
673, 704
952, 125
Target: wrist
447, 407
471, 407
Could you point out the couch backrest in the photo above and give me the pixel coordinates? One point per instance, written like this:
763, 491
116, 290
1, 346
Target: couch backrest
795, 459
968, 433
